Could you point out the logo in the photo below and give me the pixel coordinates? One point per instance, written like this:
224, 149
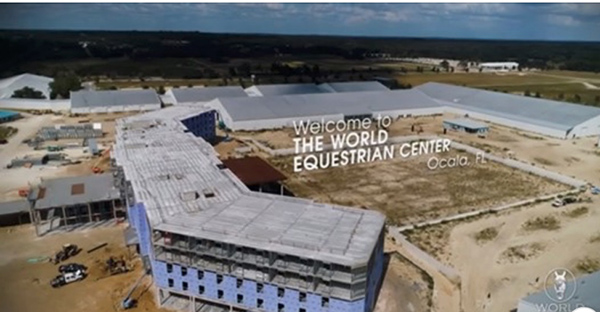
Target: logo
583, 309
556, 286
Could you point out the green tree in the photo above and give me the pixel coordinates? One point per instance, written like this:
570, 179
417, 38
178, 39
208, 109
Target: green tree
28, 93
244, 69
527, 93
161, 90
63, 84
445, 65
576, 98
538, 95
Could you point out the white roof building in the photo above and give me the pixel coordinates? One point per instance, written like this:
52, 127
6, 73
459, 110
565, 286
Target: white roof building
8, 86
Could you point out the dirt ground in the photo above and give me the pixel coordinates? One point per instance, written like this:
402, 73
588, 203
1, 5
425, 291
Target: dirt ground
508, 265
405, 287
407, 191
30, 288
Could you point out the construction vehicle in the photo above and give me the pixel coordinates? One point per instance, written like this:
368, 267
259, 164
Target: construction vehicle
559, 202
68, 251
116, 266
68, 277
129, 302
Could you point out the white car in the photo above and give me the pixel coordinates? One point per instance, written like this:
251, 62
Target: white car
68, 277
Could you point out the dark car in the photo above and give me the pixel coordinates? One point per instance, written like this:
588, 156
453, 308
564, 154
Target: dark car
71, 267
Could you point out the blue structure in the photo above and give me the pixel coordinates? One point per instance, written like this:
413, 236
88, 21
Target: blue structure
214, 245
6, 116
202, 125
466, 125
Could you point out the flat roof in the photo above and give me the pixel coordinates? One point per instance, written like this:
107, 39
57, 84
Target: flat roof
535, 111
354, 86
75, 190
467, 123
206, 94
91, 98
5, 114
253, 170
307, 105
284, 89
586, 293
185, 189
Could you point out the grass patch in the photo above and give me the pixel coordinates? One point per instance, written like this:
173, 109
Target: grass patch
548, 223
577, 212
486, 235
588, 265
7, 132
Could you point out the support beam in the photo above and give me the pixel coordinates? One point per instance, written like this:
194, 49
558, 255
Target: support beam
64, 215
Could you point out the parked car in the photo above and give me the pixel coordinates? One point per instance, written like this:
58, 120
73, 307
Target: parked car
67, 278
72, 267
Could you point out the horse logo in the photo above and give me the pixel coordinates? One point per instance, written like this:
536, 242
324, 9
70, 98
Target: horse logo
557, 285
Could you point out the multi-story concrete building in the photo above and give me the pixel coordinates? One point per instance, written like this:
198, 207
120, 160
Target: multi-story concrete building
214, 245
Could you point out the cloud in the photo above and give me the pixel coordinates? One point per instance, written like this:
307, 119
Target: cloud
562, 20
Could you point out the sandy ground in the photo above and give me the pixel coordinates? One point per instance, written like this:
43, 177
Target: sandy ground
405, 287
29, 282
407, 191
485, 269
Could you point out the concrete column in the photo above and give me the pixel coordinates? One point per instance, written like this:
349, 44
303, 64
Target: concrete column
90, 212
112, 203
260, 188
64, 215
280, 189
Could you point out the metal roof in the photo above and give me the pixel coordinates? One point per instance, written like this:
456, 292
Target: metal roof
253, 170
39, 83
185, 95
14, 206
586, 293
536, 111
75, 190
307, 105
89, 98
467, 123
354, 86
185, 190
284, 89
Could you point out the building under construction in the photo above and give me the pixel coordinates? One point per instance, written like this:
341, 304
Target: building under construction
67, 203
214, 245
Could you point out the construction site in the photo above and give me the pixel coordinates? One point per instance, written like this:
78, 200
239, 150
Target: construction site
230, 225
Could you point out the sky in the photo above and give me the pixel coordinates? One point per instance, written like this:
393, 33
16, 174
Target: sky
558, 21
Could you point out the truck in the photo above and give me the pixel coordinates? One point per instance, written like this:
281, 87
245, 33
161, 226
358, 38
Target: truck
68, 277
559, 202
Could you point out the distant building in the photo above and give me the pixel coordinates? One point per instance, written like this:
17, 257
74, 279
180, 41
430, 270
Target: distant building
107, 101
6, 116
466, 125
499, 66
203, 94
8, 86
